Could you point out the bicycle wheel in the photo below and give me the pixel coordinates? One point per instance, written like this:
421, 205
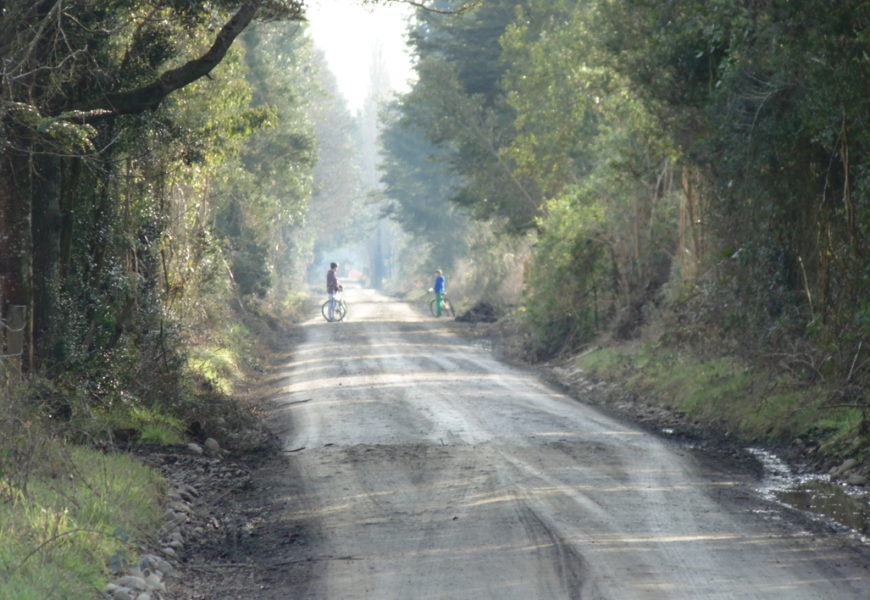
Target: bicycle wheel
432, 308
447, 307
338, 314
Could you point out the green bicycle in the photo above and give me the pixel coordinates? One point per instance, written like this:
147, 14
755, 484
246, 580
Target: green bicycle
446, 306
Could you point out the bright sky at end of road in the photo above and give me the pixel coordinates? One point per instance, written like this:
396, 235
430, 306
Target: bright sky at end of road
351, 35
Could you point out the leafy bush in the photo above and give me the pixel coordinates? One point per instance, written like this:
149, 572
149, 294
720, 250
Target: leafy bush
566, 280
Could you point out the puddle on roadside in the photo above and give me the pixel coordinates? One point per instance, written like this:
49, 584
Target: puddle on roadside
817, 494
832, 501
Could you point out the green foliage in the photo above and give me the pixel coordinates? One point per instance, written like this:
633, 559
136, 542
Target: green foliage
295, 306
607, 235
470, 41
139, 239
770, 101
220, 363
458, 104
152, 425
711, 153
250, 269
554, 123
58, 133
567, 279
338, 195
216, 365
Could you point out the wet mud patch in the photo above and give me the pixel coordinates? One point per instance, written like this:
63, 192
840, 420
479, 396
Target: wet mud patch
832, 501
840, 505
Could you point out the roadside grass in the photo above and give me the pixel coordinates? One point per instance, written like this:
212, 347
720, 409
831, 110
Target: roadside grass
725, 393
68, 513
217, 365
157, 426
153, 425
222, 359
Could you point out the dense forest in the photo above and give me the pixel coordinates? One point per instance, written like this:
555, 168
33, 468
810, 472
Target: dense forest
699, 167
688, 174
592, 168
158, 160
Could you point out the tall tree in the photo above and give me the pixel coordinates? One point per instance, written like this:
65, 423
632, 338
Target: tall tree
418, 186
458, 102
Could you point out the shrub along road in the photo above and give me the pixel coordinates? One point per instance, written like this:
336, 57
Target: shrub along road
415, 465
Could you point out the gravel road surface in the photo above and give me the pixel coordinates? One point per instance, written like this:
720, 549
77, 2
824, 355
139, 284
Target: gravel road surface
420, 467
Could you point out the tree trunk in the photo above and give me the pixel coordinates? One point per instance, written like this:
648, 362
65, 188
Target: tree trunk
15, 240
46, 227
71, 177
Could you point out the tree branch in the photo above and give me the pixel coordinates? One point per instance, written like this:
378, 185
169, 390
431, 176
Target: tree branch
456, 11
150, 96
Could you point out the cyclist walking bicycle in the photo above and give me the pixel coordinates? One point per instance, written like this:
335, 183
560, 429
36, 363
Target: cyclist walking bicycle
440, 304
438, 288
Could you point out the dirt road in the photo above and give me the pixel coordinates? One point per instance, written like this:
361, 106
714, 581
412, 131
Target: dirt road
419, 467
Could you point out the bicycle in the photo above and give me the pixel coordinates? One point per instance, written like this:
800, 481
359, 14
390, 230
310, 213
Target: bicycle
340, 311
446, 305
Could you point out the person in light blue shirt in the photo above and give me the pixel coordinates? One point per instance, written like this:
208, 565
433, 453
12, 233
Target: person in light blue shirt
438, 288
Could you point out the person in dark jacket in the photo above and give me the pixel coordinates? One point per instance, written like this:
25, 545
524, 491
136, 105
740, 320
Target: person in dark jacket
332, 288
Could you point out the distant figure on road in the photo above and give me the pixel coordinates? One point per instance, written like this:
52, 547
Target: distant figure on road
332, 288
438, 288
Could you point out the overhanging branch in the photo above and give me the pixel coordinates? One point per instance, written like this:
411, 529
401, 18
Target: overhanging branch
150, 96
456, 11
